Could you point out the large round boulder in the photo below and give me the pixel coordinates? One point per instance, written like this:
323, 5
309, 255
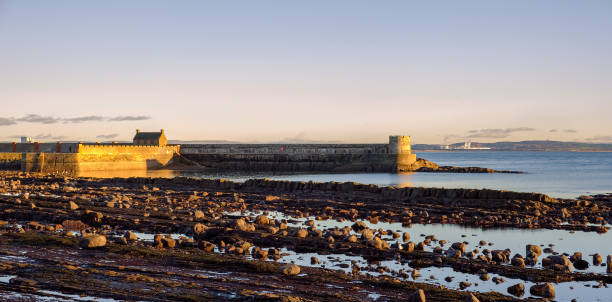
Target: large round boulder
92, 241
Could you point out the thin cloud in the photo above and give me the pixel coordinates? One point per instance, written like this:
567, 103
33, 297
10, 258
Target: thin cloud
7, 121
43, 119
35, 118
82, 119
107, 136
129, 118
553, 130
570, 131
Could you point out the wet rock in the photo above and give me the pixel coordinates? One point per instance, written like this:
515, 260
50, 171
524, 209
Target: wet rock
359, 226
198, 214
500, 256
576, 256
92, 217
406, 237
581, 264
609, 261
242, 225
199, 228
129, 235
314, 260
367, 234
516, 261
259, 253
534, 249
484, 277
168, 242
517, 289
560, 263
92, 241
545, 290
302, 233
420, 246
464, 284
206, 246
352, 238
378, 243
290, 269
409, 247
453, 253
262, 220
471, 298
22, 282
460, 246
417, 296
597, 259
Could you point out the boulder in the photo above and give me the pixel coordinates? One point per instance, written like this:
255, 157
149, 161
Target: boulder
517, 289
359, 226
460, 246
242, 225
545, 290
290, 269
302, 233
73, 206
534, 249
516, 261
168, 242
367, 234
262, 220
597, 259
406, 237
130, 236
92, 241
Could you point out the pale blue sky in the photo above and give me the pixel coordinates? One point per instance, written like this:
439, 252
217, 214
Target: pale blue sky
353, 71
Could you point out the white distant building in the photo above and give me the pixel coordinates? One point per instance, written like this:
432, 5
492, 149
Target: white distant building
26, 139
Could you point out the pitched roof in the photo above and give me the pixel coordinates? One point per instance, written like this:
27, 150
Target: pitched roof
147, 135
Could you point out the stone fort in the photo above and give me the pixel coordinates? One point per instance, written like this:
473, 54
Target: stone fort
150, 150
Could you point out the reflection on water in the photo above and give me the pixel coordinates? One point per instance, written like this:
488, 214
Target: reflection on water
130, 173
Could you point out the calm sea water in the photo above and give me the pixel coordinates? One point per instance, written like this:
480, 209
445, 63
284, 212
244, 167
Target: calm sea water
559, 174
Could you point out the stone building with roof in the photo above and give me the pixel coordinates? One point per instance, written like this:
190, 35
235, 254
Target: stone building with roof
150, 138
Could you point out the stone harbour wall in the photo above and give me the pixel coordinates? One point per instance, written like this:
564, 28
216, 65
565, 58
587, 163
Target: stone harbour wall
391, 157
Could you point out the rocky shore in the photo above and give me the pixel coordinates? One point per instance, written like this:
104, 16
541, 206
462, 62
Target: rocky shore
423, 165
183, 239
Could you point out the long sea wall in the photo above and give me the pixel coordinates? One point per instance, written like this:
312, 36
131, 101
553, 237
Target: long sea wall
90, 158
301, 157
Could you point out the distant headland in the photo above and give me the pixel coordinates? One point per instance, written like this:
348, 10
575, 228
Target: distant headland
533, 145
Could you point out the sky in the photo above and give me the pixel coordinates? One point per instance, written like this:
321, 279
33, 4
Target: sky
307, 71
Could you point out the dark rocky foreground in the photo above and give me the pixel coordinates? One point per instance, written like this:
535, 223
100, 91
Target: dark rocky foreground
64, 236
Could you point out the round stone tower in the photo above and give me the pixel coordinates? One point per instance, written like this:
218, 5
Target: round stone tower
399, 144
401, 153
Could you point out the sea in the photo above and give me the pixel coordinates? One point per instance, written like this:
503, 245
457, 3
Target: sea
558, 174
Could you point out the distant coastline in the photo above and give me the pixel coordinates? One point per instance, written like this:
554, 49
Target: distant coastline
549, 146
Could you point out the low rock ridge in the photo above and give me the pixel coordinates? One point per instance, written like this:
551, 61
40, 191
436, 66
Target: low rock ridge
423, 165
